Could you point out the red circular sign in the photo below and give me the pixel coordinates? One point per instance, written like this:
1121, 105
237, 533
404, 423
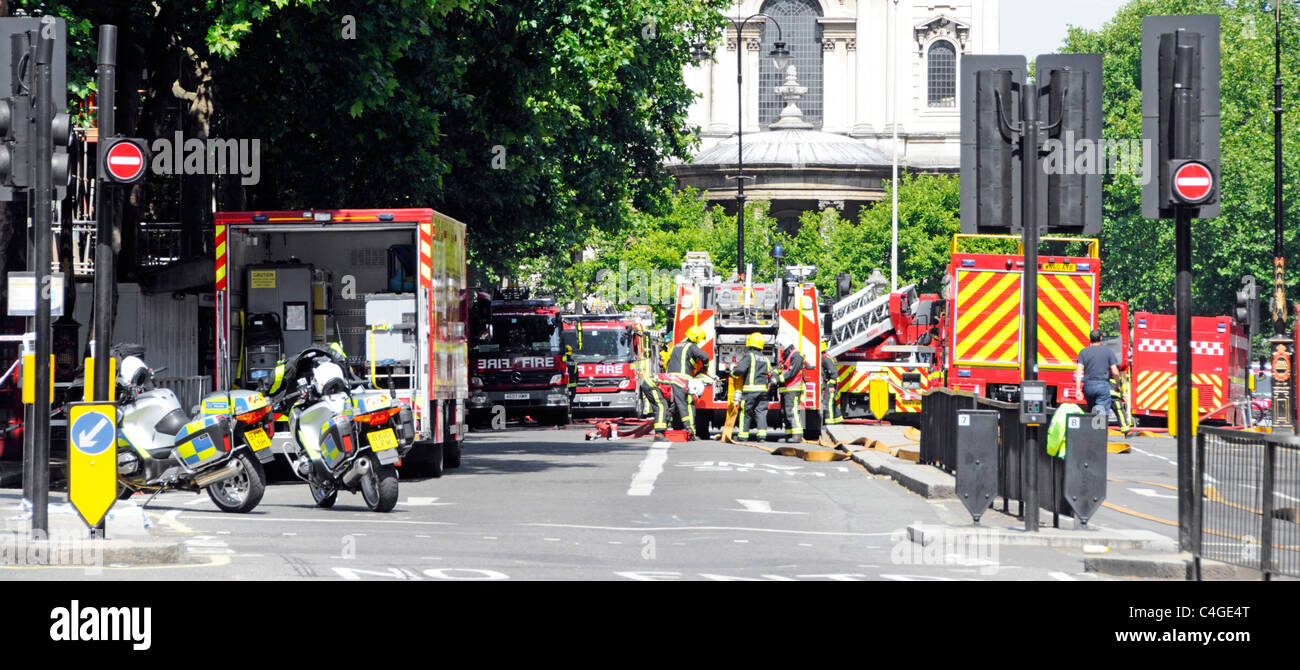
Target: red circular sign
124, 161
1193, 183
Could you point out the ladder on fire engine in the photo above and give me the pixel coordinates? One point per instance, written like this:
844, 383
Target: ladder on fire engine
861, 317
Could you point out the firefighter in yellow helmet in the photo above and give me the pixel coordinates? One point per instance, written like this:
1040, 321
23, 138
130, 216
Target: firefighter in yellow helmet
752, 371
831, 412
682, 363
651, 394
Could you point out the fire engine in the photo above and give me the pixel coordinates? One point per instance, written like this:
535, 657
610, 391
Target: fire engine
1220, 361
516, 359
728, 311
387, 284
984, 313
896, 337
605, 349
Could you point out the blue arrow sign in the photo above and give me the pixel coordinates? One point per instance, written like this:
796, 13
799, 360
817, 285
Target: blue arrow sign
92, 433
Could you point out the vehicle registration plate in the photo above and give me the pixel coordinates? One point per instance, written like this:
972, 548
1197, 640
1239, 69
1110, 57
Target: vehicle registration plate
382, 439
516, 396
257, 439
591, 398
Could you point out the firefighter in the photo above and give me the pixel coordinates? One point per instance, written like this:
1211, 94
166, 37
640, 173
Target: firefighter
831, 413
682, 361
651, 394
752, 369
790, 381
571, 370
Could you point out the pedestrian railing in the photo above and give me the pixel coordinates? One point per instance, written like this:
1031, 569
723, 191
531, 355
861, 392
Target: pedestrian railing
1247, 512
939, 409
189, 390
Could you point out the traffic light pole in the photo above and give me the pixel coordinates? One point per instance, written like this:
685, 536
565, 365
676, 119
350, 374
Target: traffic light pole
105, 270
1029, 353
1183, 333
42, 224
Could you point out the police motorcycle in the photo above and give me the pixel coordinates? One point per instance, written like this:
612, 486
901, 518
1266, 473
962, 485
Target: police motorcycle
349, 437
159, 448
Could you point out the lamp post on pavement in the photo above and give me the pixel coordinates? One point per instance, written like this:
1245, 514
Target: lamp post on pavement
1281, 346
780, 58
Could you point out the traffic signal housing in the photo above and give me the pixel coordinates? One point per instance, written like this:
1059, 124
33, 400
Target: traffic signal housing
1247, 309
1180, 114
990, 165
1070, 95
17, 111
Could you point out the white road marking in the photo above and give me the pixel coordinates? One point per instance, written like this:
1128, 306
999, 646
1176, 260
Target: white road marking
423, 502
231, 517
1152, 493
804, 544
741, 541
551, 539
644, 480
489, 537
759, 506
1061, 576
661, 529
198, 500
1147, 453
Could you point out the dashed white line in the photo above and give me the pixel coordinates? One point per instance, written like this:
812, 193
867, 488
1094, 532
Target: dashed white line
662, 529
1062, 577
643, 483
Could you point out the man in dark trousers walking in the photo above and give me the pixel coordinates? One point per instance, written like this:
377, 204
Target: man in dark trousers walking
1097, 364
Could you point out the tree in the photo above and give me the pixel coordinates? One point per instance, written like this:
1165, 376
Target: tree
1137, 253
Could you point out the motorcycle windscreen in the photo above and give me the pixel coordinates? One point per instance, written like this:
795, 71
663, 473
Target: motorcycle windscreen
203, 441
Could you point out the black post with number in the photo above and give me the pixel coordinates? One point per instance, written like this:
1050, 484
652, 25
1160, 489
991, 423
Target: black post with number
1002, 192
1180, 118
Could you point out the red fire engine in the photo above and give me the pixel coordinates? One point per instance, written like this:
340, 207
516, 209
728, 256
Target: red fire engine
516, 360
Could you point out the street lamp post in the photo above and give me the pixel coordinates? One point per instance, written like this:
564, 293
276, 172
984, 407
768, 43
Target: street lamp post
1281, 347
780, 58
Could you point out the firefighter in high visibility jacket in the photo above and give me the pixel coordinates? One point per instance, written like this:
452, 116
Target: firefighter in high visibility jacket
650, 393
790, 381
682, 361
752, 370
571, 371
831, 413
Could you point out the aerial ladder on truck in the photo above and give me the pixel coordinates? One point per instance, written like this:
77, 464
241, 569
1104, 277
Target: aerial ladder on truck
876, 346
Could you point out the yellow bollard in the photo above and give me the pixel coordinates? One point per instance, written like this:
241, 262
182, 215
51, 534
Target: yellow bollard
89, 392
29, 379
1173, 412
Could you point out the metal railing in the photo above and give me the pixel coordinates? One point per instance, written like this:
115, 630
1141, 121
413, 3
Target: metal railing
189, 390
1247, 512
939, 409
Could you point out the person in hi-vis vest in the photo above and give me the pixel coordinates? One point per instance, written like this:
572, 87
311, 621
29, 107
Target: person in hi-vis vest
752, 370
831, 413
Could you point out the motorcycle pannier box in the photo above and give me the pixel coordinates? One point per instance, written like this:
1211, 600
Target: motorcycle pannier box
203, 441
336, 441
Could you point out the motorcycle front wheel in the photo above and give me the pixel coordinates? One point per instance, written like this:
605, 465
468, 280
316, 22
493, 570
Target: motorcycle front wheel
379, 486
242, 492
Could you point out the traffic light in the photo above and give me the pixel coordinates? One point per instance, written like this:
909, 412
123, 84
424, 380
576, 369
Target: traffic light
1247, 310
1180, 114
1070, 91
990, 168
17, 111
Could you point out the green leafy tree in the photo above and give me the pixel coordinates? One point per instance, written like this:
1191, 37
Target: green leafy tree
1138, 253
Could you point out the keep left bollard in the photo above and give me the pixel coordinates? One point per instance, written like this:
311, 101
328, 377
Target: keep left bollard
977, 459
1085, 464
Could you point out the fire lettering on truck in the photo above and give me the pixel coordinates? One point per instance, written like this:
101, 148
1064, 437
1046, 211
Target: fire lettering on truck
535, 362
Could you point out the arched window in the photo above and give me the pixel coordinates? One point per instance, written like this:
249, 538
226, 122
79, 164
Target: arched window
941, 66
803, 37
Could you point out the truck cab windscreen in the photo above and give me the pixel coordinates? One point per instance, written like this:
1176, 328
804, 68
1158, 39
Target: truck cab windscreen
520, 333
604, 345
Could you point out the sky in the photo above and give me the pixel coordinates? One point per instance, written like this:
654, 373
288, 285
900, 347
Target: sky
1033, 27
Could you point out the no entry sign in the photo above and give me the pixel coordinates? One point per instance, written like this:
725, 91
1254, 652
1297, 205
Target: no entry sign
124, 160
1193, 183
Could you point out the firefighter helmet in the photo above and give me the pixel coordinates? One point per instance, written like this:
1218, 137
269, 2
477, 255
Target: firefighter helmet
754, 341
695, 334
784, 341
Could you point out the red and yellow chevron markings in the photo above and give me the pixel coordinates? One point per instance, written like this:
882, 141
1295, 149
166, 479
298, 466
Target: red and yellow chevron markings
1064, 317
988, 317
1151, 393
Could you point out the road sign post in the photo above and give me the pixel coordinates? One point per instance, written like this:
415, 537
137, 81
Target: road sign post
92, 459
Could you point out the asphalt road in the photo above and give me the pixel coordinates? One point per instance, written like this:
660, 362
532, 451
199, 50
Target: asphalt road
538, 504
